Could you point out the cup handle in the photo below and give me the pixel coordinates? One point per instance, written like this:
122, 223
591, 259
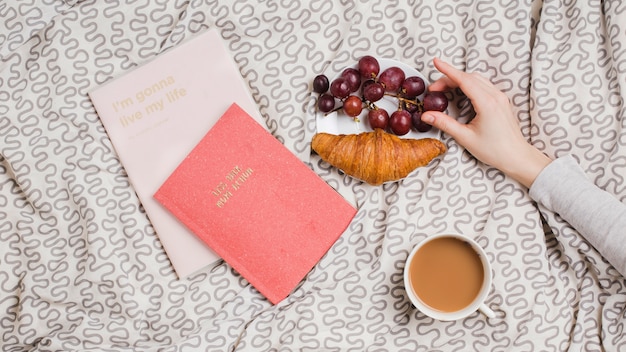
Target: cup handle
487, 311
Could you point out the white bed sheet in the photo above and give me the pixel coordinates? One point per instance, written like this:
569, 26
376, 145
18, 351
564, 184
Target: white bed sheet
82, 269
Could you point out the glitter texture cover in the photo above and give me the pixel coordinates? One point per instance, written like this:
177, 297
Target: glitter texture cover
256, 204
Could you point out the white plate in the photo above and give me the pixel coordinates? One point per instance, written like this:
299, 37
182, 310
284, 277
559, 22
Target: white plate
340, 123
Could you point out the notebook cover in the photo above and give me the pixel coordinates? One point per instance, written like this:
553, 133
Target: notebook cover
256, 204
155, 115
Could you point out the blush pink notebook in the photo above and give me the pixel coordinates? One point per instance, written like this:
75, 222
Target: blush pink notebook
256, 204
155, 115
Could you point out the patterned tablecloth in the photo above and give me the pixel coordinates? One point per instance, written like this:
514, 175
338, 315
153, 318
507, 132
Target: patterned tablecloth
80, 265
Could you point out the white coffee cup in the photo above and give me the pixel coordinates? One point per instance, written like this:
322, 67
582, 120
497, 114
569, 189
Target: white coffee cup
478, 303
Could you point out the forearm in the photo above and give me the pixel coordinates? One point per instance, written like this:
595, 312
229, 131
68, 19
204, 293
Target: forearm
597, 215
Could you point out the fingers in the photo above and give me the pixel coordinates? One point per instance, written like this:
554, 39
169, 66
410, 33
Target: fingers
476, 87
454, 75
460, 78
446, 124
450, 80
442, 84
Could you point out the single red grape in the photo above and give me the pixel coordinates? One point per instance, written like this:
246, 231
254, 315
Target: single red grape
412, 87
400, 122
353, 106
378, 118
418, 124
369, 67
340, 88
366, 83
320, 84
392, 78
373, 92
353, 77
326, 102
435, 101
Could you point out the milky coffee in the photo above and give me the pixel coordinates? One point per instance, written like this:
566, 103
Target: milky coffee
446, 274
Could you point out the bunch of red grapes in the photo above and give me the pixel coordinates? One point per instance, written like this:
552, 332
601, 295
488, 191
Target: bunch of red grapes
361, 87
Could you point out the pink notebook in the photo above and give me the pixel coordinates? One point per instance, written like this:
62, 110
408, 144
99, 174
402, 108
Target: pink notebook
256, 204
155, 115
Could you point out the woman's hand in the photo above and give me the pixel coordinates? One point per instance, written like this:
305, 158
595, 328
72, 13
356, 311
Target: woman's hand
493, 136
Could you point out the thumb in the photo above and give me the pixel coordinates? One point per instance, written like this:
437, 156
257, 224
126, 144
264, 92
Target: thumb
445, 123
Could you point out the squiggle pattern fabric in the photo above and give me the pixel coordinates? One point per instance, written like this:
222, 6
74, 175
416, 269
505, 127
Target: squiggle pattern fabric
82, 269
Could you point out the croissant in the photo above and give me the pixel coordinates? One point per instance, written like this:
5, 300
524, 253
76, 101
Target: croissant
376, 157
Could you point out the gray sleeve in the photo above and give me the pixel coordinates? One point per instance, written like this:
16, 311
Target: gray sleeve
564, 188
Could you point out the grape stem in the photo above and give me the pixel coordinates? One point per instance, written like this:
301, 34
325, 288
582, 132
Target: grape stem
334, 110
417, 102
405, 100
